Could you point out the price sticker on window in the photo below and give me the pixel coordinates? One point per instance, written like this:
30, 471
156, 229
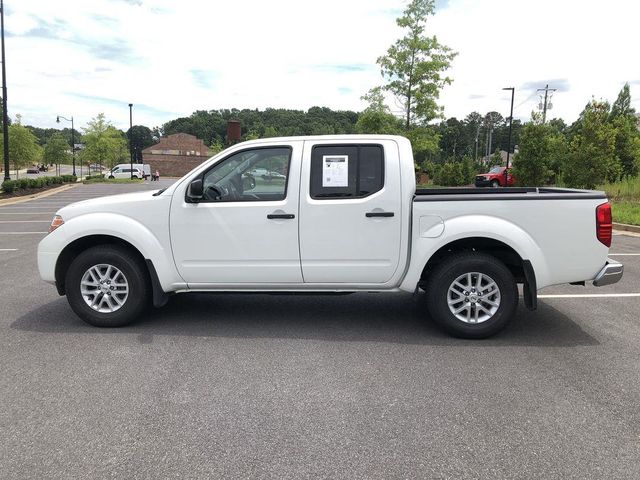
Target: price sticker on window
335, 170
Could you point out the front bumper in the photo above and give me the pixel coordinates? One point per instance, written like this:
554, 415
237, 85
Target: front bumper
610, 273
482, 182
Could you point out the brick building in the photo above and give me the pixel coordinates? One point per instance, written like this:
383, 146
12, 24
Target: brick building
176, 154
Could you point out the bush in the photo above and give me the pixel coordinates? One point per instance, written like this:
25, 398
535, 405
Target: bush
8, 186
451, 175
23, 183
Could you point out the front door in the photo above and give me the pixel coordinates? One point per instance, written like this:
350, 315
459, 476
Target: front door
245, 231
350, 212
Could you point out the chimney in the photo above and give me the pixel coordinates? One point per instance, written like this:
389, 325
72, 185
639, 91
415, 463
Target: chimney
233, 132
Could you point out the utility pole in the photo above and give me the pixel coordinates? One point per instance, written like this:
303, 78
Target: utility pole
547, 101
5, 116
506, 170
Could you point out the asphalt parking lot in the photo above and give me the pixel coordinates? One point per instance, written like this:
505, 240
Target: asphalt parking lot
358, 386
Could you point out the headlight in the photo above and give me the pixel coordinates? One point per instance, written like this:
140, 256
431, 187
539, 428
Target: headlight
55, 223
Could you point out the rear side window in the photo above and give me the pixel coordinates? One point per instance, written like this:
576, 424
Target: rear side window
346, 171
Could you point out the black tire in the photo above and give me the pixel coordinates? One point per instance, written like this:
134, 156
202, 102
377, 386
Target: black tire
495, 183
442, 278
132, 268
111, 176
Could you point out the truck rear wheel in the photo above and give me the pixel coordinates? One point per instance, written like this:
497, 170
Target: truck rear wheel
107, 286
472, 295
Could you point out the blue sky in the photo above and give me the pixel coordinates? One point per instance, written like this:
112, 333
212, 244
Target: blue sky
170, 58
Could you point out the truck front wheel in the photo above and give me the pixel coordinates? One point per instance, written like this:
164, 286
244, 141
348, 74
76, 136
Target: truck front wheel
495, 183
472, 295
107, 286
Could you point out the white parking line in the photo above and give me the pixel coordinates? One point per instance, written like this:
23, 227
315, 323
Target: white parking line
624, 254
24, 221
591, 295
29, 213
23, 233
8, 249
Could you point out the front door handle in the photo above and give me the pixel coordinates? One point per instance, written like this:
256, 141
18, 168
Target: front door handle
379, 214
281, 216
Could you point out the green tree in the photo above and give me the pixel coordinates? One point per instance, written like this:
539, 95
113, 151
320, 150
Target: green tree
104, 144
56, 150
451, 174
377, 118
622, 106
23, 146
541, 150
592, 158
414, 65
627, 144
141, 137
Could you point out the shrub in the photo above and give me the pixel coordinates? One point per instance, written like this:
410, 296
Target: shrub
8, 186
23, 183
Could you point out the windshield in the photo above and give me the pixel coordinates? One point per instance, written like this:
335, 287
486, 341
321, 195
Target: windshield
496, 170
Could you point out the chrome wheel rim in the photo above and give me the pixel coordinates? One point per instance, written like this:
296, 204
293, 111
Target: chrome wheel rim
104, 288
473, 297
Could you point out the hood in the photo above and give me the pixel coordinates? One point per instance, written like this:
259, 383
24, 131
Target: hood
111, 203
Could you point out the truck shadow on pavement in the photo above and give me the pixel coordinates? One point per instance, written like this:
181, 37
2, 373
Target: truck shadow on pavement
388, 318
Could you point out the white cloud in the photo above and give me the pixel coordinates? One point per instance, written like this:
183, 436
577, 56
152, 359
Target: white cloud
170, 58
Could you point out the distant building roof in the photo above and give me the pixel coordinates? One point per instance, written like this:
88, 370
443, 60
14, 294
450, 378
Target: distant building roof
179, 144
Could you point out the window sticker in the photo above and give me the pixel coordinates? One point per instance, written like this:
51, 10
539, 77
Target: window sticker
335, 170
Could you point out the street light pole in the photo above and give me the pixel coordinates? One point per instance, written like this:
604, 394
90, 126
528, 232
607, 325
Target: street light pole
73, 141
506, 170
130, 131
5, 116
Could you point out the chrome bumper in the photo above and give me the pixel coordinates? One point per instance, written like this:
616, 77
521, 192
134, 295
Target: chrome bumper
610, 273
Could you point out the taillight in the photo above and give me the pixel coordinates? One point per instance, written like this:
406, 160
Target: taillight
604, 226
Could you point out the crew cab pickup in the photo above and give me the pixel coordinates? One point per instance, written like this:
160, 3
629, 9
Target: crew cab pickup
337, 214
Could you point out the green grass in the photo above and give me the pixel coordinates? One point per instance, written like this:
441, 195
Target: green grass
626, 212
112, 180
624, 190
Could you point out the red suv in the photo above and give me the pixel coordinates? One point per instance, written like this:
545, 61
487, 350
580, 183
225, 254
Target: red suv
495, 178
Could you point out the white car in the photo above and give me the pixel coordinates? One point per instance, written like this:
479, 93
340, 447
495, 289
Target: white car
124, 172
348, 218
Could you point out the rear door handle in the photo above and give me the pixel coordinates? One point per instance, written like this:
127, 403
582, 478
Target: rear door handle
281, 216
379, 214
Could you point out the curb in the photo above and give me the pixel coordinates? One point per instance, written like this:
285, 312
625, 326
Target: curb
625, 227
27, 198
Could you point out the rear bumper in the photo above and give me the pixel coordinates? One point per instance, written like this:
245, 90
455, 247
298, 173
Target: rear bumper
610, 273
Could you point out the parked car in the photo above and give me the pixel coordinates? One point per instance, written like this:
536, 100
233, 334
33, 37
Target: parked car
495, 178
348, 218
33, 169
123, 170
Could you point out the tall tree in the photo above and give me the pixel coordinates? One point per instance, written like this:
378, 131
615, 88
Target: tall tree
23, 145
141, 137
104, 144
592, 158
414, 65
56, 150
622, 106
537, 161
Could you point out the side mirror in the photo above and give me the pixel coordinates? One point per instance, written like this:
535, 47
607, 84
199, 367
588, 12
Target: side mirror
195, 191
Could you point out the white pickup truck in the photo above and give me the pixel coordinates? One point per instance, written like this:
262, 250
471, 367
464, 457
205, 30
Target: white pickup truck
335, 214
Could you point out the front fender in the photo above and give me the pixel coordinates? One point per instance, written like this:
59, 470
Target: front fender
114, 225
473, 226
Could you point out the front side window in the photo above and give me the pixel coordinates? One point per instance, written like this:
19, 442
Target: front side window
346, 171
250, 175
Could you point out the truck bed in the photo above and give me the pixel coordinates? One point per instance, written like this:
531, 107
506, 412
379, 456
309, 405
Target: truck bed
508, 193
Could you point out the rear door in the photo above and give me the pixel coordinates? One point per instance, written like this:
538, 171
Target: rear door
350, 212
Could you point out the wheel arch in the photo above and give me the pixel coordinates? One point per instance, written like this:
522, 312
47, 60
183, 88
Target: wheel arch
521, 269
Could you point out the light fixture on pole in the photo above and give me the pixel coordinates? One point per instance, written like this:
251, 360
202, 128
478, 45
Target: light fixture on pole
506, 170
73, 140
5, 116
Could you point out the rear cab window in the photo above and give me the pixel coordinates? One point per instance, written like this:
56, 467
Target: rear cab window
346, 171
